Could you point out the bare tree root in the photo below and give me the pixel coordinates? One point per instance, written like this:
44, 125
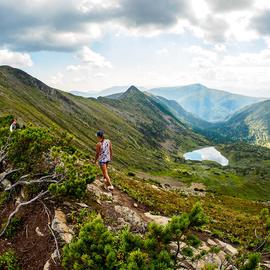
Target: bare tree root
51, 230
18, 208
44, 179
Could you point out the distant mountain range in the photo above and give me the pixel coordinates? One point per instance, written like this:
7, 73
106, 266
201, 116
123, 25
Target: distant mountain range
209, 104
138, 121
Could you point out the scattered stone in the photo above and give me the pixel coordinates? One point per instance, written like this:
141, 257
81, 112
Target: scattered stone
97, 189
47, 265
266, 264
121, 223
161, 220
83, 205
198, 187
68, 204
59, 224
98, 201
6, 183
211, 242
154, 187
204, 247
227, 247
116, 199
135, 205
39, 233
130, 216
222, 255
209, 259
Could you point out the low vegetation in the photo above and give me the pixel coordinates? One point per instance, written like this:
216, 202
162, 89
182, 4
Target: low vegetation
231, 219
8, 261
39, 162
169, 247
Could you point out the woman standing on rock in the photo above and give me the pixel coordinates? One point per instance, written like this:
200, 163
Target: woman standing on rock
104, 156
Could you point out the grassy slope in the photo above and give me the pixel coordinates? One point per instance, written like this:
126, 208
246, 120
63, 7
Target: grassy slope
247, 175
32, 101
232, 218
251, 124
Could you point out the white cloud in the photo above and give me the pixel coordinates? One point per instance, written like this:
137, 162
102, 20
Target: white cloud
261, 59
57, 79
15, 59
87, 56
162, 51
73, 67
99, 75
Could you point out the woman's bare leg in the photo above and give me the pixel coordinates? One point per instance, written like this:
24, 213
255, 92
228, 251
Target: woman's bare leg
105, 174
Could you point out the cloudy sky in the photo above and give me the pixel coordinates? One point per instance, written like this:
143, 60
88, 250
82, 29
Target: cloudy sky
93, 44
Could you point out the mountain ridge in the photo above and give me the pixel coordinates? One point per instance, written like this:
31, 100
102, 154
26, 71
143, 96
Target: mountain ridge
209, 104
250, 124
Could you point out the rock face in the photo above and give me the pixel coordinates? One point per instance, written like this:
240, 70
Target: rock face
59, 224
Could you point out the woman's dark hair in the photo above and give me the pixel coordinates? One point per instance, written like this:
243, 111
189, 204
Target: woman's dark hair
100, 133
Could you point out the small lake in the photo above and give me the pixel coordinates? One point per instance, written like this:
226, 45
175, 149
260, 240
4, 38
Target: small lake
207, 153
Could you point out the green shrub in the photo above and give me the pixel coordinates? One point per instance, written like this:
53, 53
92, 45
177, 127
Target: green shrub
8, 261
193, 240
210, 267
92, 250
39, 151
13, 227
252, 263
3, 198
98, 248
76, 174
5, 121
29, 147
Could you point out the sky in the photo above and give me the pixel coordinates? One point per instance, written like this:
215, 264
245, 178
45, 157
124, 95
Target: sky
90, 45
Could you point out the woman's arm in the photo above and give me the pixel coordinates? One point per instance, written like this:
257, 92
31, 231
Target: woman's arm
97, 152
110, 151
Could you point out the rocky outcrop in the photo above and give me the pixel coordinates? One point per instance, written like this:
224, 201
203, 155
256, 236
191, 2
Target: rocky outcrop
59, 224
128, 213
97, 189
130, 217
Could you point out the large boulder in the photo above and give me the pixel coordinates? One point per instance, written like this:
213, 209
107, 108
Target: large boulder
59, 224
131, 217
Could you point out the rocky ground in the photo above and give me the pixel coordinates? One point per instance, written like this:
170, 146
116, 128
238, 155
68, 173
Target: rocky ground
46, 228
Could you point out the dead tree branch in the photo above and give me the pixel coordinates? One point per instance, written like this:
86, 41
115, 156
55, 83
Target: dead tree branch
18, 208
44, 179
